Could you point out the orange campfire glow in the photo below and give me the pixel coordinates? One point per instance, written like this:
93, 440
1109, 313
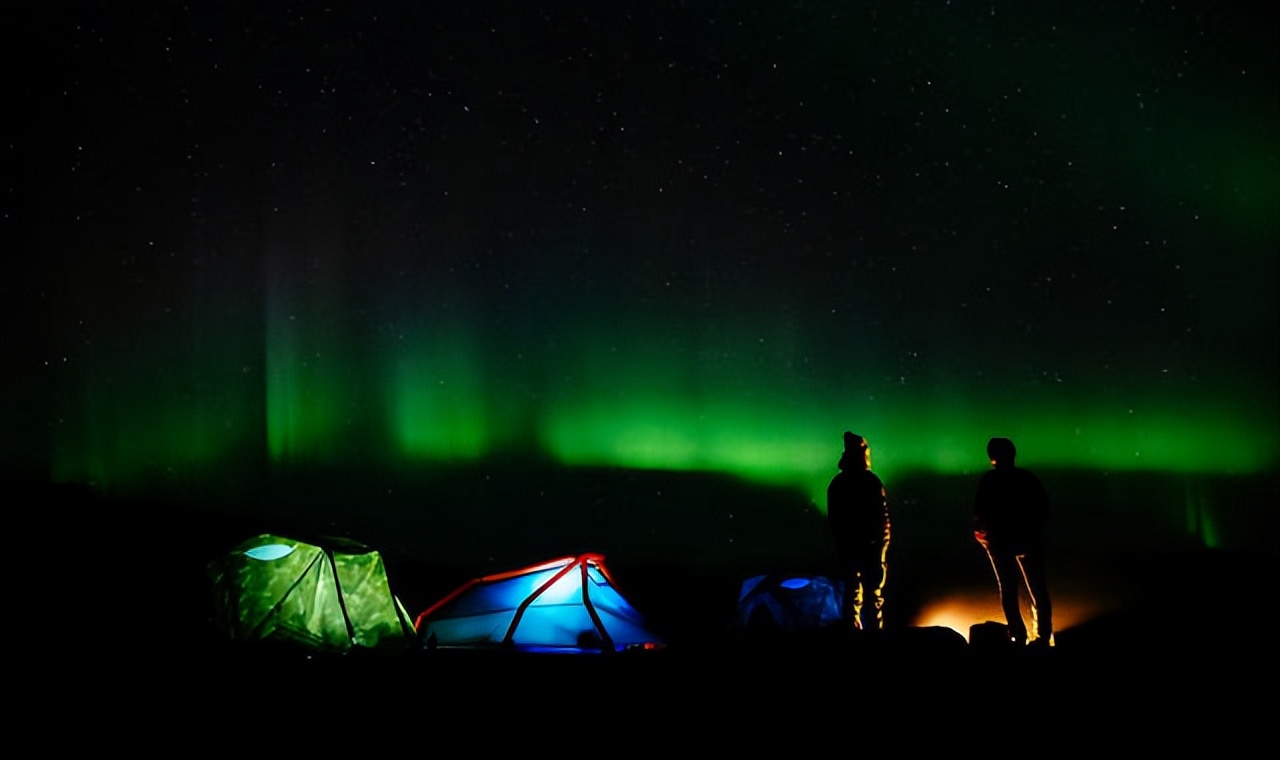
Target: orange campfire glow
961, 610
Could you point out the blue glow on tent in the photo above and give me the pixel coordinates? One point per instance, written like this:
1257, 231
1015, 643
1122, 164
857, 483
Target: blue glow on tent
789, 604
539, 608
269, 552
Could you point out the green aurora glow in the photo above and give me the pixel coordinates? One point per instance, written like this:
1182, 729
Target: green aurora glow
433, 403
926, 224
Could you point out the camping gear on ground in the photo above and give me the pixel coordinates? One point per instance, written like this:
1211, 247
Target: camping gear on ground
333, 598
566, 605
780, 603
989, 634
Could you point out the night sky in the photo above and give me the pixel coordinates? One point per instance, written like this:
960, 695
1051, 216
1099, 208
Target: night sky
681, 236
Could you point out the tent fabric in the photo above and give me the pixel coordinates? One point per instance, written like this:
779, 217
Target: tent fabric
565, 605
333, 598
788, 603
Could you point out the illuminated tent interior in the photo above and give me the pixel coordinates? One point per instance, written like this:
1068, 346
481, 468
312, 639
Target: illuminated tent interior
788, 603
566, 605
330, 599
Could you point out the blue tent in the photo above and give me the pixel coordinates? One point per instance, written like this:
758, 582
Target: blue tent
566, 605
788, 603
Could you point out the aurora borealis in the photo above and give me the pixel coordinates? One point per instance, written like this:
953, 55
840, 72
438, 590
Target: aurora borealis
666, 236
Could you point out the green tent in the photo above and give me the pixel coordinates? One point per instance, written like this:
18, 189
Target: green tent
333, 598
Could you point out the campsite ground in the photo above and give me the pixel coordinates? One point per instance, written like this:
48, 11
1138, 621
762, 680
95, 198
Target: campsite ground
120, 610
910, 691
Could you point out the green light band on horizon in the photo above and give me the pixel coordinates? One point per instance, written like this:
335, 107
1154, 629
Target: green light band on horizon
433, 404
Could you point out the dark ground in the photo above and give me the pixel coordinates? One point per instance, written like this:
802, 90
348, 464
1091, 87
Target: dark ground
113, 598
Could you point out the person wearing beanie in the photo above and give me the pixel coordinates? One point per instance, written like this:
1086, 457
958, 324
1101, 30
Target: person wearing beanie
858, 515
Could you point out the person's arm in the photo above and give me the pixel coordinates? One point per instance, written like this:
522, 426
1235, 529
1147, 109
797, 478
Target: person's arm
980, 514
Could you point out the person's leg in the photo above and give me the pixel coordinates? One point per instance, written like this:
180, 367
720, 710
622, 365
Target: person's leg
1032, 568
1008, 581
856, 582
873, 580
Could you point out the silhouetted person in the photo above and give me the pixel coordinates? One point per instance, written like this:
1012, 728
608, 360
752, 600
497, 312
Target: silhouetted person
858, 514
1010, 512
